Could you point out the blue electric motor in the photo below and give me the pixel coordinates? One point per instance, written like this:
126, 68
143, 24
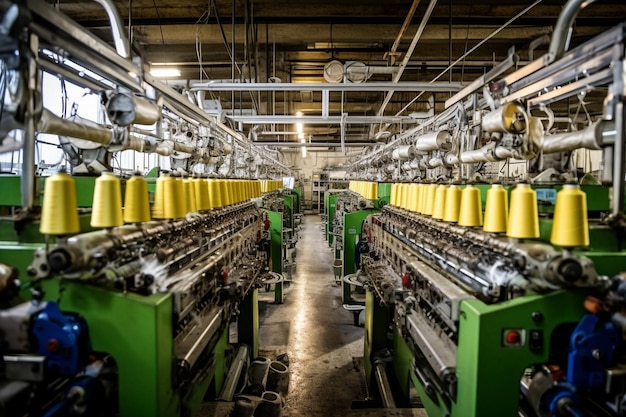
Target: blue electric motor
63, 339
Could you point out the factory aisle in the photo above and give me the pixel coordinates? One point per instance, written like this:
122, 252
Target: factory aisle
317, 333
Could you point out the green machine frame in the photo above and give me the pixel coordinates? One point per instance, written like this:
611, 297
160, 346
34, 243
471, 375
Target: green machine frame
352, 225
135, 330
276, 250
290, 208
489, 372
330, 207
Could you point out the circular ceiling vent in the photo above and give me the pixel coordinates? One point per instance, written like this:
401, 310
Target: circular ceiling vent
333, 71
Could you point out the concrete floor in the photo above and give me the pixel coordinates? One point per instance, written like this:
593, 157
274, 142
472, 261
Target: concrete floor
317, 332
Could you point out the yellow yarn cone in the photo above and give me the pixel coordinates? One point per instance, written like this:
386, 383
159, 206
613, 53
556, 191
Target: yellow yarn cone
158, 211
570, 227
222, 195
106, 210
190, 195
419, 198
213, 194
374, 191
471, 211
453, 204
174, 204
405, 196
230, 189
440, 202
428, 200
59, 212
136, 201
201, 190
496, 210
400, 193
249, 190
523, 217
413, 196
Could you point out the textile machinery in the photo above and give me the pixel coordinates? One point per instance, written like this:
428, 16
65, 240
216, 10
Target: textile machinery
110, 308
516, 309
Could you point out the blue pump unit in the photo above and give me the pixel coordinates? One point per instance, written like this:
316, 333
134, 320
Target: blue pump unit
63, 339
592, 349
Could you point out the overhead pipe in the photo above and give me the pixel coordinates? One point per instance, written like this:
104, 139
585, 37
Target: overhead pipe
563, 29
373, 86
117, 28
315, 144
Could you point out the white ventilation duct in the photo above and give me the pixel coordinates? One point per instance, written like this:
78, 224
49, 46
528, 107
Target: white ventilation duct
353, 71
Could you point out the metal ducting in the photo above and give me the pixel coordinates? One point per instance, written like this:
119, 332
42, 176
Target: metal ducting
353, 71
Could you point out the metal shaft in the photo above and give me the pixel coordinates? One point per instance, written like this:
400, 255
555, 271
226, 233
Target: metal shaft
383, 386
230, 384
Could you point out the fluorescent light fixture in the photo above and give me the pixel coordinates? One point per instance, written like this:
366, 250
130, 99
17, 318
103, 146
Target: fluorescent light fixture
299, 126
304, 151
165, 72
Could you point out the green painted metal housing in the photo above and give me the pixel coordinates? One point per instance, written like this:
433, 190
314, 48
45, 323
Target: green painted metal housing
488, 371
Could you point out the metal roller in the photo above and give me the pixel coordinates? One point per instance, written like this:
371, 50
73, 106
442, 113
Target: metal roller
403, 153
593, 137
432, 141
509, 118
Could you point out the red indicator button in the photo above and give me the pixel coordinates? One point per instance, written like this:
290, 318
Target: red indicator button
513, 337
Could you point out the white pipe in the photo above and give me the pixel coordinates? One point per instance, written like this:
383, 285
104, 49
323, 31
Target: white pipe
563, 27
117, 27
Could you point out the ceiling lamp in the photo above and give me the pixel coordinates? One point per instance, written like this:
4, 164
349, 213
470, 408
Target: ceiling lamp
165, 72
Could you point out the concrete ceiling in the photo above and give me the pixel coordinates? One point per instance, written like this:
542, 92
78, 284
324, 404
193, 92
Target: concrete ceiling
293, 40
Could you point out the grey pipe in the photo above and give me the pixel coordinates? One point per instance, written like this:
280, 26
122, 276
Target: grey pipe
234, 373
117, 27
81, 129
488, 153
561, 35
589, 138
383, 386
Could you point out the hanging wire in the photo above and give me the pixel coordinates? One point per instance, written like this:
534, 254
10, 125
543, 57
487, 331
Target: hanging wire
467, 31
202, 20
478, 45
156, 9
